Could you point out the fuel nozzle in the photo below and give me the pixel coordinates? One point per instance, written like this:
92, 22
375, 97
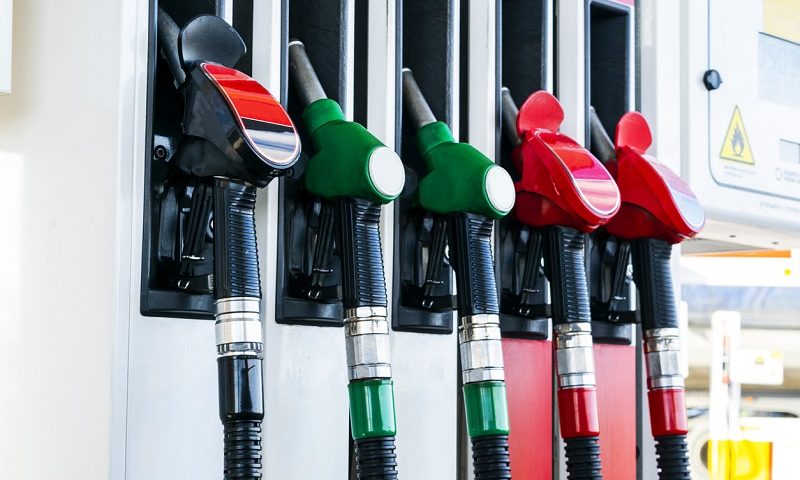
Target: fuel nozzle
237, 137
658, 210
354, 174
233, 126
561, 183
460, 178
465, 190
349, 160
564, 193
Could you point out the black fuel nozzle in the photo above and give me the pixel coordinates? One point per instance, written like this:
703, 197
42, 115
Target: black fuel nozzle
233, 127
236, 137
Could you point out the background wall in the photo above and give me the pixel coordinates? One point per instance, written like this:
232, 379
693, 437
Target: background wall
59, 158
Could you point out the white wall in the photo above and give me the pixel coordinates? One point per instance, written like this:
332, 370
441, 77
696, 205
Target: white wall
59, 144
5, 46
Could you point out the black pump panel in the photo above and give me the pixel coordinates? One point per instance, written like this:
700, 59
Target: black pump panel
428, 33
609, 29
523, 57
177, 238
524, 49
321, 26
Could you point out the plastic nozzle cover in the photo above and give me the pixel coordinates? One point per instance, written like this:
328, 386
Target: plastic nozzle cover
562, 183
657, 203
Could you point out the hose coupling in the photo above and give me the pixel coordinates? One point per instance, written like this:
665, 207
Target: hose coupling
662, 348
366, 333
574, 356
481, 348
238, 326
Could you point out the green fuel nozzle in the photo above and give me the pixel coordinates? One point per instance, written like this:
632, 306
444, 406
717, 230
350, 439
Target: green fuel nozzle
466, 191
349, 160
353, 173
460, 178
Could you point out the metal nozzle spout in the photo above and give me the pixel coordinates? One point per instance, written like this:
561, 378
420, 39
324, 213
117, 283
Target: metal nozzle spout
510, 112
414, 101
602, 146
304, 78
168, 33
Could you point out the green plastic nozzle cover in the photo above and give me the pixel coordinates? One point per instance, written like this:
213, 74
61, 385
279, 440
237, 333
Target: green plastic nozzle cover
340, 167
456, 181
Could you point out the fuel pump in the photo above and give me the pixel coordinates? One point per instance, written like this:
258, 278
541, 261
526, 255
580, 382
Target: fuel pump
466, 192
564, 192
235, 139
658, 210
354, 174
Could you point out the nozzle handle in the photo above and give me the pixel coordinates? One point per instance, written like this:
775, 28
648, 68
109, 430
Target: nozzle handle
305, 79
359, 240
469, 236
168, 34
564, 263
414, 102
510, 113
601, 146
653, 277
236, 271
652, 272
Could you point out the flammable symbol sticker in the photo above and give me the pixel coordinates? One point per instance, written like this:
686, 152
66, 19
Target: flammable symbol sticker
736, 146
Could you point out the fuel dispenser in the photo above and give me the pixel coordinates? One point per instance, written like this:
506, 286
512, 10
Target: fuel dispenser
232, 138
658, 210
351, 175
423, 285
609, 85
465, 191
563, 193
524, 59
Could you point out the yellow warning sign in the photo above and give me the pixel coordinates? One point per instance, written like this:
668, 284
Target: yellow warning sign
737, 146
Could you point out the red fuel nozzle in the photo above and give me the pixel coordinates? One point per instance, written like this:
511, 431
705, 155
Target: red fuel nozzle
656, 203
562, 183
565, 192
658, 209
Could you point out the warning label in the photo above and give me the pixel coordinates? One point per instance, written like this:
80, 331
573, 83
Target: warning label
736, 146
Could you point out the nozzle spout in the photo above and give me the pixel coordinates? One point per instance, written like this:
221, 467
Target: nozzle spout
602, 146
510, 112
168, 33
303, 75
414, 101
